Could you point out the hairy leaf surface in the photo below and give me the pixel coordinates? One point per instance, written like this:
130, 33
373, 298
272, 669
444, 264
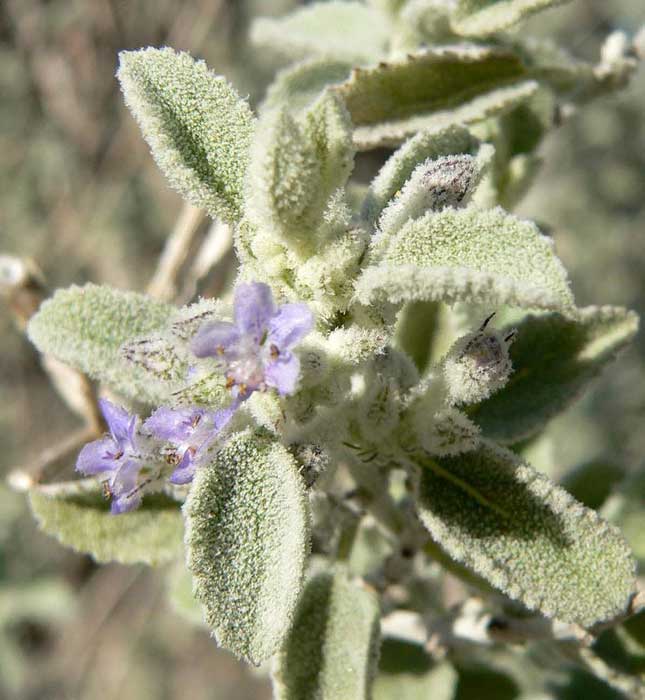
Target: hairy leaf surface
247, 539
526, 536
297, 166
86, 327
554, 359
433, 88
486, 257
332, 648
429, 143
484, 17
435, 184
79, 517
299, 86
197, 126
316, 30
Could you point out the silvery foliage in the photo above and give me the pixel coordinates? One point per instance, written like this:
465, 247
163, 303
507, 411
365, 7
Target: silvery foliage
323, 514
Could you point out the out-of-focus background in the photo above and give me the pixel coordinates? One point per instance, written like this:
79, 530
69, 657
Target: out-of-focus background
81, 196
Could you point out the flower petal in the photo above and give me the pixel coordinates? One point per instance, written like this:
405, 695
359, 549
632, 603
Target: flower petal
125, 504
290, 325
222, 417
126, 492
185, 470
119, 422
253, 308
94, 457
214, 339
283, 373
173, 424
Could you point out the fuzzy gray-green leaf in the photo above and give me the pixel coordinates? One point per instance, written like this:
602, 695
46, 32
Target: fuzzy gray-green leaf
554, 359
329, 128
332, 648
297, 166
283, 178
433, 88
435, 184
316, 31
79, 517
486, 257
526, 536
86, 327
297, 87
483, 17
429, 143
197, 126
247, 540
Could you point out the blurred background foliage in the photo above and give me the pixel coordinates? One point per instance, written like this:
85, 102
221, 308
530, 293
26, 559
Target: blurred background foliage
80, 195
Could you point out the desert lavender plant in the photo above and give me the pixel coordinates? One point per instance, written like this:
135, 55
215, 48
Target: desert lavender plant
350, 424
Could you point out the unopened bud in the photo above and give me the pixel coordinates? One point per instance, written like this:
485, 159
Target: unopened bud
478, 365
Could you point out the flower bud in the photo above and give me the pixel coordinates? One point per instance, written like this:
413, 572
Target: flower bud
477, 365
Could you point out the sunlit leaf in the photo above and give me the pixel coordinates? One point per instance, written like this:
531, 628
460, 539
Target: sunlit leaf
247, 539
554, 359
483, 17
314, 31
484, 257
198, 128
86, 327
332, 648
526, 536
79, 517
431, 89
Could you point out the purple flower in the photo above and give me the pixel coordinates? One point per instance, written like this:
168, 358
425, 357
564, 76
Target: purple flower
191, 431
256, 348
116, 457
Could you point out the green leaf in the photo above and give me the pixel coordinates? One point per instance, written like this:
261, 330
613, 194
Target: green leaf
247, 539
332, 648
429, 143
483, 257
198, 128
283, 178
314, 31
297, 87
329, 128
422, 23
406, 672
297, 166
79, 517
435, 88
86, 327
554, 359
484, 17
526, 536
435, 185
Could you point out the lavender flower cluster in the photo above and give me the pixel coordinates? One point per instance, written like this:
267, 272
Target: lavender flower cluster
256, 354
